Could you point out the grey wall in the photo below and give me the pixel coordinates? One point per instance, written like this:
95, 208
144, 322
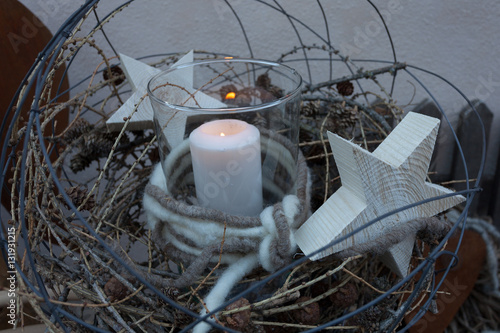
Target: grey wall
457, 39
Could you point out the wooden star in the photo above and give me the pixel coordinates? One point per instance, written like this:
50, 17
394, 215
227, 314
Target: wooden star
138, 75
377, 183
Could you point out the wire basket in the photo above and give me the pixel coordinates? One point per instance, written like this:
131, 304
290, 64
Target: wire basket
76, 196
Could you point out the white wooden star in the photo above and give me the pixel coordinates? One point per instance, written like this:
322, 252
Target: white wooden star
138, 74
376, 183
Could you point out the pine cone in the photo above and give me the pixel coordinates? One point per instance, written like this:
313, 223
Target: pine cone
116, 74
310, 109
77, 195
381, 283
309, 314
346, 296
342, 117
349, 118
345, 88
115, 290
80, 162
80, 126
263, 81
239, 320
369, 319
95, 145
276, 91
98, 144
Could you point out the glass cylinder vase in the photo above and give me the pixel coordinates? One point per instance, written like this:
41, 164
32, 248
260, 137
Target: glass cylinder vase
228, 132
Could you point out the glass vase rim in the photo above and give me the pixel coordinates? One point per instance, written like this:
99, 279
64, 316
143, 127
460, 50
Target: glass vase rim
296, 90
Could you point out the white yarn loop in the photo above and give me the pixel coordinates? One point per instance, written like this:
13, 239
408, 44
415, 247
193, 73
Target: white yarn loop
204, 233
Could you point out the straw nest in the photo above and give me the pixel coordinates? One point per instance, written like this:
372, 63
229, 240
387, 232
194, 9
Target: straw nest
103, 176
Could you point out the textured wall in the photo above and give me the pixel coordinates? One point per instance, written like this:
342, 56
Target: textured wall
457, 39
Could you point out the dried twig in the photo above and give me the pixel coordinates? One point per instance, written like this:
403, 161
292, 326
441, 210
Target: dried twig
360, 75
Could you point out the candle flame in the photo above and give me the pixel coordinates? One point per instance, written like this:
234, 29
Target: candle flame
231, 95
222, 134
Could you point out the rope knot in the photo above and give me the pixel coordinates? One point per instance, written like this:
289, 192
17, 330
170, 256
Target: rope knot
279, 221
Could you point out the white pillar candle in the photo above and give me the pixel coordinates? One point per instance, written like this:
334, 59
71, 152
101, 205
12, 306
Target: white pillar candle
227, 166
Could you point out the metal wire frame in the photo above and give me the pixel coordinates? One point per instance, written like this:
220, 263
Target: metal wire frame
36, 77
